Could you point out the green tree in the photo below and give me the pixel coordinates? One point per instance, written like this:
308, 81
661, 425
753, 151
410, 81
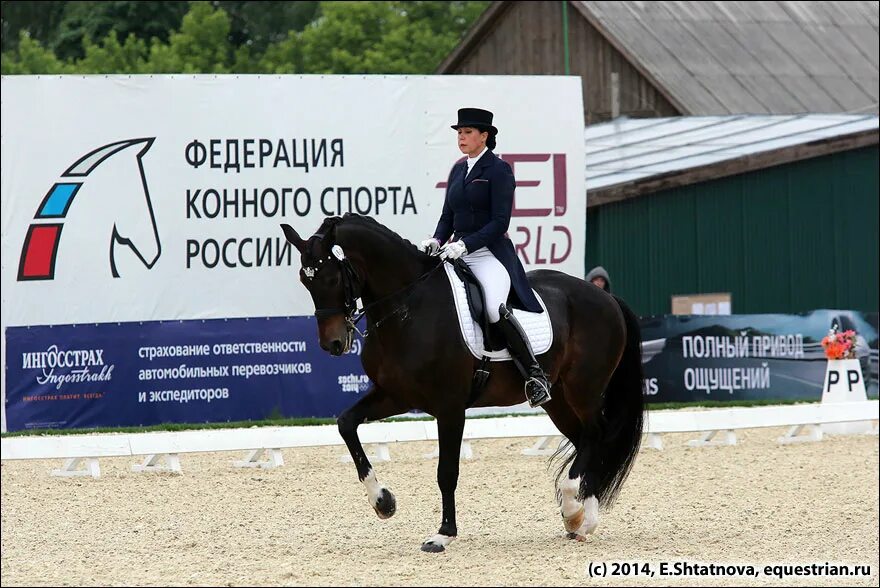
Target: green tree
201, 46
112, 57
96, 20
338, 41
257, 25
283, 57
39, 20
384, 37
31, 57
346, 37
445, 17
64, 26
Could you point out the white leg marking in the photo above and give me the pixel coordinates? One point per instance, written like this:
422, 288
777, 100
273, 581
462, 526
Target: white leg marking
443, 540
591, 516
572, 509
374, 488
570, 504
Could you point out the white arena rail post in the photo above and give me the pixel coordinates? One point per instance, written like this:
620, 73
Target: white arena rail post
252, 459
794, 434
153, 463
466, 451
727, 437
543, 447
71, 468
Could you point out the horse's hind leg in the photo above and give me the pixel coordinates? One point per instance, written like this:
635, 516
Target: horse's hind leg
575, 490
579, 505
374, 405
579, 517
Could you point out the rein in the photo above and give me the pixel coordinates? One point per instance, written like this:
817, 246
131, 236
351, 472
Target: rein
352, 320
352, 290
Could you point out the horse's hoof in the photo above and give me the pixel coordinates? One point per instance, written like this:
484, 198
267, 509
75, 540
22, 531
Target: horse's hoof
431, 547
386, 505
576, 537
437, 543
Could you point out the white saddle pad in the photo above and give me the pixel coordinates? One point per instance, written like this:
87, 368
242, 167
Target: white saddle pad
536, 325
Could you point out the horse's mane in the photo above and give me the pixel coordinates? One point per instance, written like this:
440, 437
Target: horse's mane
351, 218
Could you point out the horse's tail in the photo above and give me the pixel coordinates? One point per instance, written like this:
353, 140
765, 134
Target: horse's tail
623, 409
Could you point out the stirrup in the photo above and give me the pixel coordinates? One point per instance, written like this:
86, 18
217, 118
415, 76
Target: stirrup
540, 394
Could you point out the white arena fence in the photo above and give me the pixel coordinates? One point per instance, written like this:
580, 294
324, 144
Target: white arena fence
82, 452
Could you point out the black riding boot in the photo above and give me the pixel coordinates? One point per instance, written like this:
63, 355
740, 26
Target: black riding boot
537, 387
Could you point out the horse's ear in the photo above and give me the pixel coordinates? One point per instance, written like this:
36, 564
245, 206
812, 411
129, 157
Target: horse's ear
293, 237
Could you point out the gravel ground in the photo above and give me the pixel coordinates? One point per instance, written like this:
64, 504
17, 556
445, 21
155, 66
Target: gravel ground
308, 523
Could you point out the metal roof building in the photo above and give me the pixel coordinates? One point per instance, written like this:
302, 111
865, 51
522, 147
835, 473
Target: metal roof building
780, 211
669, 58
743, 152
628, 157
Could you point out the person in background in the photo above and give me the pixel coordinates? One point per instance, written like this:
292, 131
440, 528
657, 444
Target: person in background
599, 277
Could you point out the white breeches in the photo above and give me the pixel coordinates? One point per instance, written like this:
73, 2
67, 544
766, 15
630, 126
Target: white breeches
493, 277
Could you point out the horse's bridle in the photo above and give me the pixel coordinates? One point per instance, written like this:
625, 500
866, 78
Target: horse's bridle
350, 283
352, 288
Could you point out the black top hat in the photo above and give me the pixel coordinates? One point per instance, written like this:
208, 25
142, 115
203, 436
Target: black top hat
476, 118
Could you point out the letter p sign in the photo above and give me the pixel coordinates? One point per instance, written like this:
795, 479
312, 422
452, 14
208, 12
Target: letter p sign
843, 381
853, 377
833, 378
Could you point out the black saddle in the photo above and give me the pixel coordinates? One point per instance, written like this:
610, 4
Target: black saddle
492, 340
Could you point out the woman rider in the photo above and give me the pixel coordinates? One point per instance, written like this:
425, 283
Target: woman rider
476, 214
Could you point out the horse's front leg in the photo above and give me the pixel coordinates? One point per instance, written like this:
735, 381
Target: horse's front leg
375, 405
449, 432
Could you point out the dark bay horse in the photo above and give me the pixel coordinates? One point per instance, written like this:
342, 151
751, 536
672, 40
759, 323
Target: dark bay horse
415, 358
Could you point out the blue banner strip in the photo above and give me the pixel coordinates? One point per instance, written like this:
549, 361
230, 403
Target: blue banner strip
128, 374
197, 371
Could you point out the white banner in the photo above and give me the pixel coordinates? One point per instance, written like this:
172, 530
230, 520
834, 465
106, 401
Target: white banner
131, 198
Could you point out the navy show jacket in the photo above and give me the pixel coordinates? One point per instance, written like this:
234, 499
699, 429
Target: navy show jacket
477, 211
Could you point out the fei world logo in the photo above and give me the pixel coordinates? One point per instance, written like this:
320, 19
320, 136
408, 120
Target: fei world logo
138, 232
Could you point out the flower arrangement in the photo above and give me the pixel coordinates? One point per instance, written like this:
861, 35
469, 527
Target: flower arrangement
840, 345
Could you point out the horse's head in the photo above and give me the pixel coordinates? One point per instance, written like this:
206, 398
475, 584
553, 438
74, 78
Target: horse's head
137, 229
129, 208
332, 283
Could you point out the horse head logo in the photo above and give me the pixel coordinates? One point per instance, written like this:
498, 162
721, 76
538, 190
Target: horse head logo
136, 229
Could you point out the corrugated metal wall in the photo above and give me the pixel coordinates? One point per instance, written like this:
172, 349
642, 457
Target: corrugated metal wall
527, 39
791, 238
